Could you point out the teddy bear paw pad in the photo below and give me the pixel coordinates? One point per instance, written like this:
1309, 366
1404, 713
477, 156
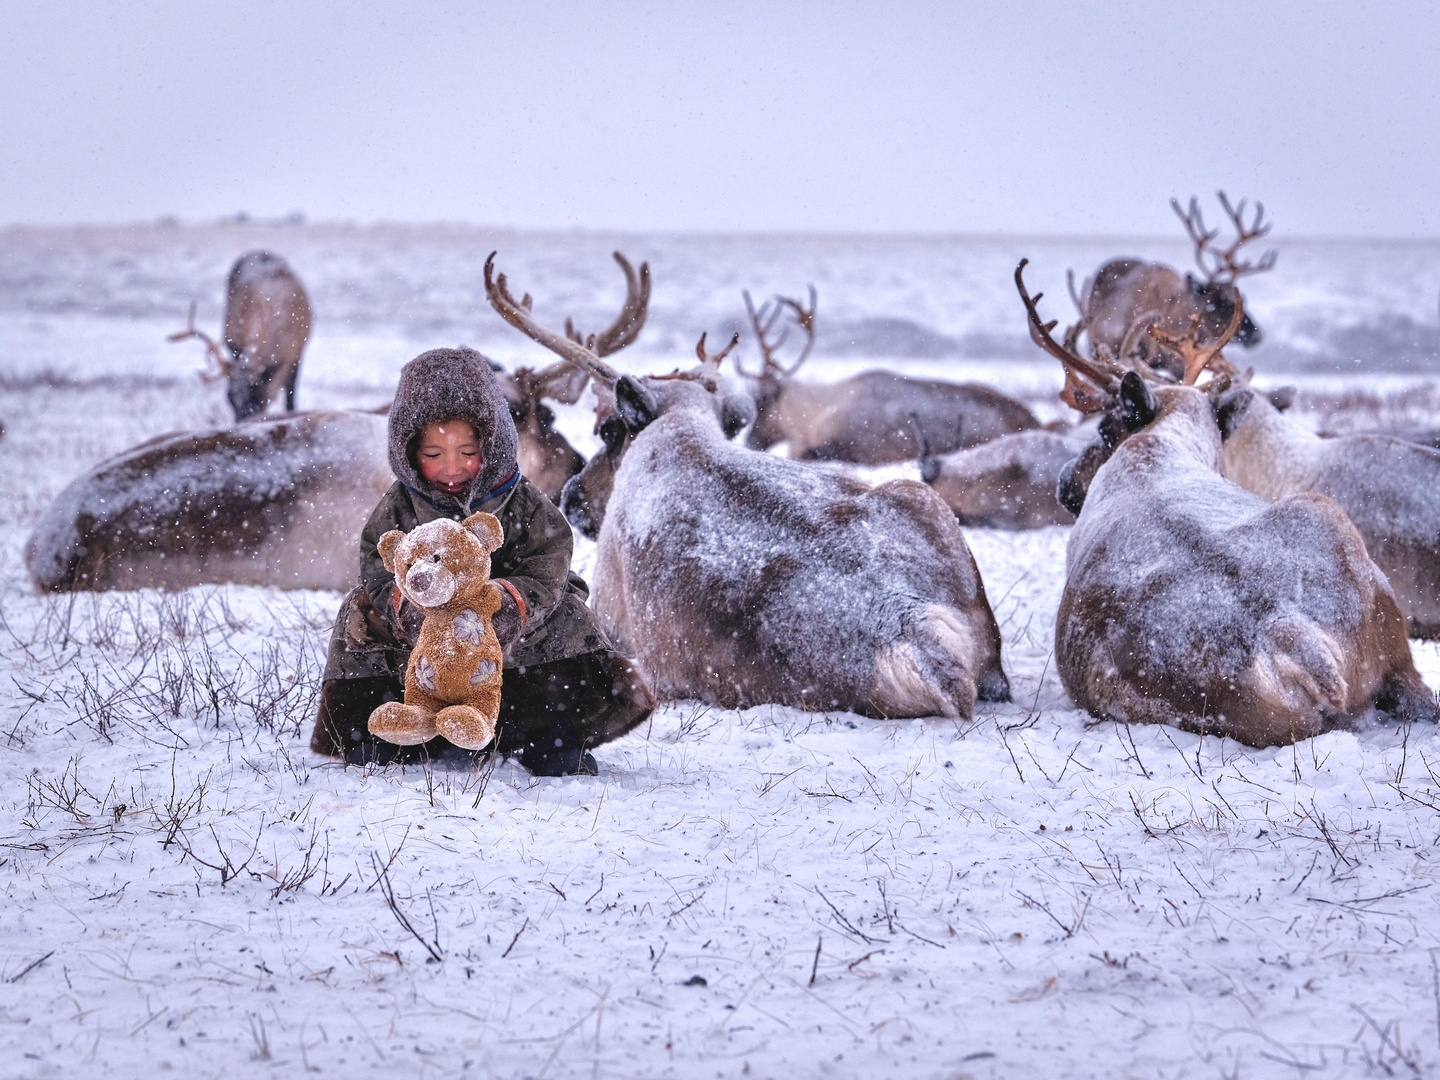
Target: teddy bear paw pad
404, 725
464, 726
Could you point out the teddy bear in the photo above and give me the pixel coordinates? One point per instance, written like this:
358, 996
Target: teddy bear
452, 683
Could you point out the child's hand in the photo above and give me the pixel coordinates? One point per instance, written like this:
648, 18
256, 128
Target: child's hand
507, 621
406, 621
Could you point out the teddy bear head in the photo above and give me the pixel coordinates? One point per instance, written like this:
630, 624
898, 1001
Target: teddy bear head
435, 561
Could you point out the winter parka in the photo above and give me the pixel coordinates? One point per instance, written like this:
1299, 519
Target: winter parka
535, 559
448, 384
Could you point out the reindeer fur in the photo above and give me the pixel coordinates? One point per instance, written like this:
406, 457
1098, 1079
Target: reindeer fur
742, 578
1389, 488
870, 418
1007, 483
268, 502
1192, 602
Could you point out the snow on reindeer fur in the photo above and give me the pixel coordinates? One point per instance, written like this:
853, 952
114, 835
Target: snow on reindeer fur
1390, 490
1192, 602
260, 503
743, 578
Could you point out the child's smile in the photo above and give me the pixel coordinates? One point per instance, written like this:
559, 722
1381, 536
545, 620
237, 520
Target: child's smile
448, 455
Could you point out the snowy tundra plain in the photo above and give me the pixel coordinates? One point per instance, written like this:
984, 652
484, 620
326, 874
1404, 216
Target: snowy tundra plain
187, 890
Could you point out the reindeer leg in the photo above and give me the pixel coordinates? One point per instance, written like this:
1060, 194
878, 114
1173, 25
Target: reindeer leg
1406, 697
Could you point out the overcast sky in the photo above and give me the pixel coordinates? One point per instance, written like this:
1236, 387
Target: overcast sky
1075, 118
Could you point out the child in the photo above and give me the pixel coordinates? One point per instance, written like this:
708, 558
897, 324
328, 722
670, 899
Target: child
452, 449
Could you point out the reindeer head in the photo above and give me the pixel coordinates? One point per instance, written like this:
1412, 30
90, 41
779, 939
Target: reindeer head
1128, 402
771, 336
639, 402
1218, 292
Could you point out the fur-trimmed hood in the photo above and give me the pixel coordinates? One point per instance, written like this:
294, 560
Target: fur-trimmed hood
448, 384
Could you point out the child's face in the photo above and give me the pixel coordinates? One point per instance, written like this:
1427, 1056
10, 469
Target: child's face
448, 455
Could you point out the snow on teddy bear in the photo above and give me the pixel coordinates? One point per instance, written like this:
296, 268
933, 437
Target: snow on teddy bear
452, 683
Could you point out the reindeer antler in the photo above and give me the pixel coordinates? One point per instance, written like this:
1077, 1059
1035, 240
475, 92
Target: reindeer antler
211, 348
1223, 265
1243, 235
1089, 384
627, 325
714, 361
763, 323
1197, 359
518, 315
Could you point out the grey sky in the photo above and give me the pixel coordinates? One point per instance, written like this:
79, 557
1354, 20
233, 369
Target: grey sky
994, 117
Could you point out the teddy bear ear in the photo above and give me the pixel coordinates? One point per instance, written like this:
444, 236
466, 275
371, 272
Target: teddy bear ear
486, 528
387, 545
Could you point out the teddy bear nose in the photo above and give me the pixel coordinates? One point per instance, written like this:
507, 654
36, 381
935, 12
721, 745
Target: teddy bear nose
422, 578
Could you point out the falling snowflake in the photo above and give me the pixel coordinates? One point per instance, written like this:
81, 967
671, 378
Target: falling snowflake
469, 627
424, 674
484, 671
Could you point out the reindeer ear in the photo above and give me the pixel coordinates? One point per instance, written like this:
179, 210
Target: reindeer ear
1074, 483
1230, 409
486, 529
387, 545
635, 404
1282, 398
1137, 404
736, 412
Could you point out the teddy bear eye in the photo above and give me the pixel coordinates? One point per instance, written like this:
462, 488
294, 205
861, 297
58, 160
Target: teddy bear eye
435, 557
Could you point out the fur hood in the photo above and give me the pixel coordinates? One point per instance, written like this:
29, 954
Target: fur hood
446, 384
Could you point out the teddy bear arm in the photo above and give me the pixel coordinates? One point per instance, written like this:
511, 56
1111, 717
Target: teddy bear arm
491, 600
386, 547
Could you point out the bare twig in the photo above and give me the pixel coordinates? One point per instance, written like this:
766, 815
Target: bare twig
387, 890
516, 938
36, 963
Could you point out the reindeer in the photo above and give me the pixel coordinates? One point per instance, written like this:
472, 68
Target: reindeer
741, 578
267, 323
546, 457
275, 502
868, 418
1190, 601
1006, 483
1126, 296
1390, 488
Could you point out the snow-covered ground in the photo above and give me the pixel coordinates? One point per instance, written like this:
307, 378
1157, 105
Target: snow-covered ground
769, 893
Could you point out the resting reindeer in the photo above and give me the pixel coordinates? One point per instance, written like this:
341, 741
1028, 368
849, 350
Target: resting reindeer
1126, 296
1390, 489
1192, 602
267, 323
869, 418
1007, 483
741, 578
546, 457
264, 503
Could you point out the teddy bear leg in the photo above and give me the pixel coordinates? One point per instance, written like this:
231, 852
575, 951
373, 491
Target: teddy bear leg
465, 726
404, 725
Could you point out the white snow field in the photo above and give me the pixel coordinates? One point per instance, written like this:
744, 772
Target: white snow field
188, 890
